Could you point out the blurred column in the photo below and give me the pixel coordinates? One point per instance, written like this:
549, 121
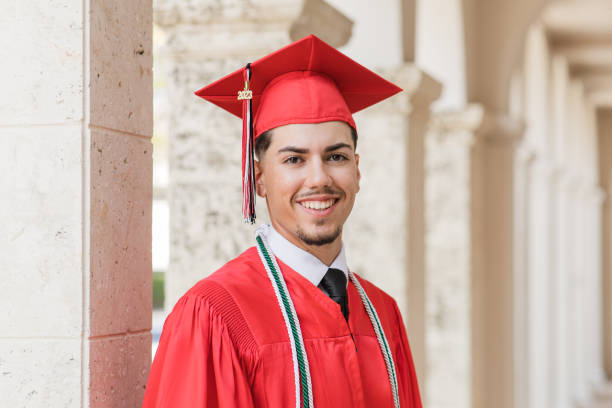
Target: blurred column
75, 158
204, 43
535, 272
538, 279
385, 235
559, 247
605, 182
448, 257
594, 203
560, 290
498, 187
585, 287
439, 25
577, 299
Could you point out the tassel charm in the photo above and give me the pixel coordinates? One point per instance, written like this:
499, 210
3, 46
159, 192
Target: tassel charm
248, 166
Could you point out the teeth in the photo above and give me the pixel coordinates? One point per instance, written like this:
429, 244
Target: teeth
318, 205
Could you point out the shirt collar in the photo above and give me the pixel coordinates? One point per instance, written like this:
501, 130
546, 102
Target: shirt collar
303, 262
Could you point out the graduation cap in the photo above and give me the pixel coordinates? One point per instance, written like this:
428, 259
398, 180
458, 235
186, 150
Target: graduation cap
307, 81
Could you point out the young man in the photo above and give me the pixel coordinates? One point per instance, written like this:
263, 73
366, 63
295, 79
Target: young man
286, 323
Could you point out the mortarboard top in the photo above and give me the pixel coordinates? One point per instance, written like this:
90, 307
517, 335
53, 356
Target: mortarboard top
307, 81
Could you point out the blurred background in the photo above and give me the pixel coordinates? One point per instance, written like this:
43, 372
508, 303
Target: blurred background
484, 207
482, 202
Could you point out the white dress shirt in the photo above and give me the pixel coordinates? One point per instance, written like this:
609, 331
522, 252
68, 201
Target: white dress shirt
304, 263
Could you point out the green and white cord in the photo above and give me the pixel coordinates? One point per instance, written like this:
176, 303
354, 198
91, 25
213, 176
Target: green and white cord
382, 339
301, 368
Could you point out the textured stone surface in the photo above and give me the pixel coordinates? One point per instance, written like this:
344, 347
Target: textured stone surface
121, 197
40, 373
320, 18
42, 226
447, 243
206, 12
76, 198
205, 193
400, 121
375, 234
204, 154
121, 65
119, 370
41, 84
120, 153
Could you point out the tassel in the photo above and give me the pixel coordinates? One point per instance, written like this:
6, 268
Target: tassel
248, 165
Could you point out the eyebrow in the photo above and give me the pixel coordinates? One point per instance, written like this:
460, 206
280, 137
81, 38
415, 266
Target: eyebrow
302, 150
293, 149
337, 146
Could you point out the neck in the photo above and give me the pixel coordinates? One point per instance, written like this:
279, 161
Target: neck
325, 253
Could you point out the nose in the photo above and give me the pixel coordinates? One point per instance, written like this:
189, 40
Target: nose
318, 175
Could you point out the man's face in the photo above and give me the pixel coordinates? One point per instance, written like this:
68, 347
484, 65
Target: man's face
309, 176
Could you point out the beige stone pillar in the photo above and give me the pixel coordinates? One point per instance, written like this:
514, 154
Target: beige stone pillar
408, 10
560, 288
495, 236
559, 375
204, 43
448, 257
594, 202
580, 391
605, 182
538, 280
385, 233
75, 158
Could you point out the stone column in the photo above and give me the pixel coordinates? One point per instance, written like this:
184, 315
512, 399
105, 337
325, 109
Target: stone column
385, 234
448, 261
75, 158
204, 43
580, 391
594, 202
605, 182
558, 374
560, 289
495, 234
538, 279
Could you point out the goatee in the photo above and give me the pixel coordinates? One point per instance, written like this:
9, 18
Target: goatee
319, 240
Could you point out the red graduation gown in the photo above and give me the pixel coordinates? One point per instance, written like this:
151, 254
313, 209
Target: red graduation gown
225, 344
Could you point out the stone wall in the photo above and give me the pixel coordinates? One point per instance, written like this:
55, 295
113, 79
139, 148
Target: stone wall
75, 123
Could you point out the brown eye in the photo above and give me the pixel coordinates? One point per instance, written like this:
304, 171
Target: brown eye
293, 160
337, 157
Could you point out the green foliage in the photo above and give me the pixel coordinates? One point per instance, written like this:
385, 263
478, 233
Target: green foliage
158, 289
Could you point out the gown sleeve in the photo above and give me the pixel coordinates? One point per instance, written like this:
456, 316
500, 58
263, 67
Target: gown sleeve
196, 363
407, 379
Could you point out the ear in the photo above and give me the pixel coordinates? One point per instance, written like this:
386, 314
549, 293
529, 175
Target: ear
357, 169
259, 179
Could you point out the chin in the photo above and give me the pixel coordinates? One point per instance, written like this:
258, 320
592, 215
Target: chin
318, 237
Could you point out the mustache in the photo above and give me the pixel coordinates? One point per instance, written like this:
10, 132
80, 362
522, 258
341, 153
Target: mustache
324, 190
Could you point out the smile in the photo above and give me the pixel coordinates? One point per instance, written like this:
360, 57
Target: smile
318, 205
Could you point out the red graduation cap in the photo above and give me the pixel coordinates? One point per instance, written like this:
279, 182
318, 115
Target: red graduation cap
307, 81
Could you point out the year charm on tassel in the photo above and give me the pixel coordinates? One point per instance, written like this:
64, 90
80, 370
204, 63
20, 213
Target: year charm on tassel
246, 93
248, 167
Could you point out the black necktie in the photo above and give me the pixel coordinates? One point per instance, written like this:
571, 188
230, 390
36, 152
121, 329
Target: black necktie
334, 283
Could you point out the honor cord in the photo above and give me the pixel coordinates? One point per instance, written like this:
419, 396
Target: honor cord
298, 351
